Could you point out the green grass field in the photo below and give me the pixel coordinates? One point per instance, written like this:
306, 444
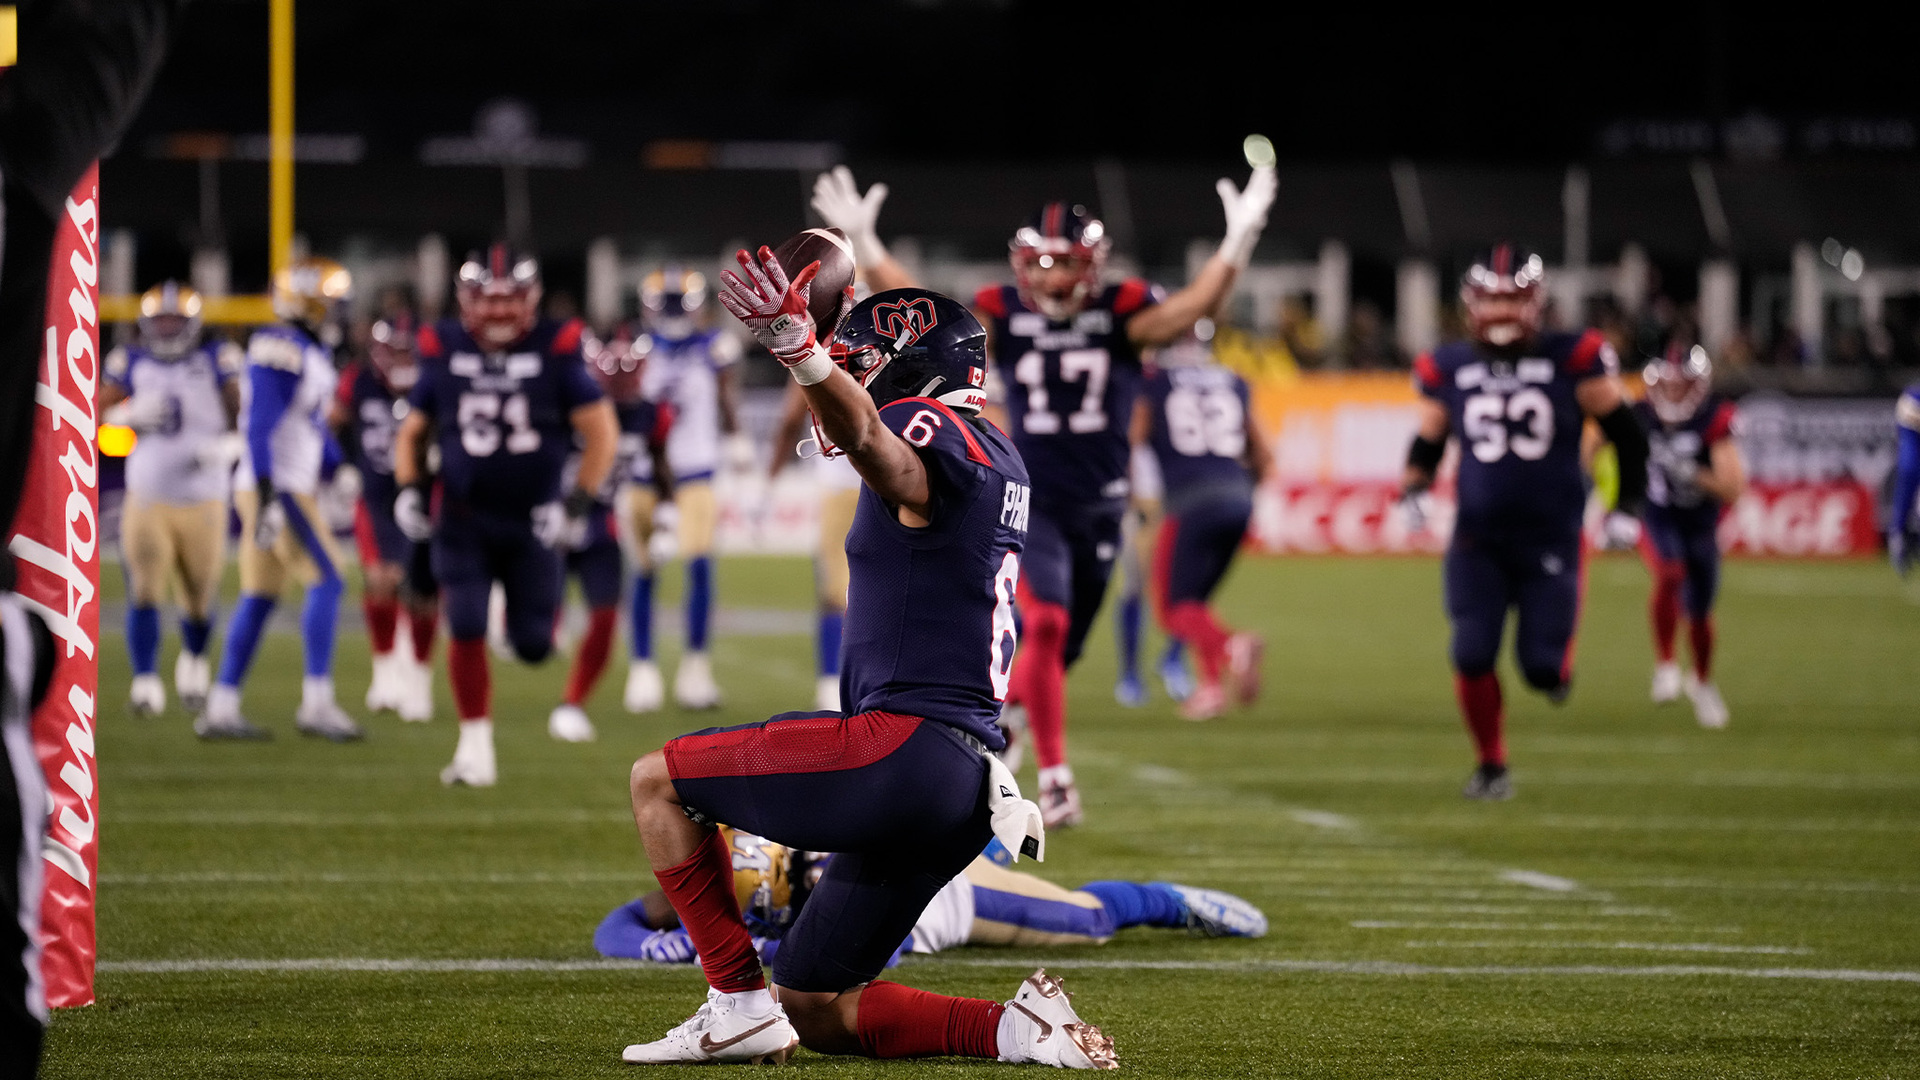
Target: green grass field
1657, 901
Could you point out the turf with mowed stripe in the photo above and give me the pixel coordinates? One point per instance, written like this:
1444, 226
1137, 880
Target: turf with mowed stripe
1657, 901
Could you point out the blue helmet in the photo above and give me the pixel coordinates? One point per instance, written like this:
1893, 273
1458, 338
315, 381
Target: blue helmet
915, 343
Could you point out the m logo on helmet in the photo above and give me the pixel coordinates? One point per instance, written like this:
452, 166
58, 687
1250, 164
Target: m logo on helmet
906, 320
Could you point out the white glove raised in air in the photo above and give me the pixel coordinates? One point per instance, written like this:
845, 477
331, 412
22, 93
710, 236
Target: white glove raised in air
1620, 531
837, 199
1246, 214
774, 310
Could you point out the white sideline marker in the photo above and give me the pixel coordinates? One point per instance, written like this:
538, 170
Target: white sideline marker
1534, 879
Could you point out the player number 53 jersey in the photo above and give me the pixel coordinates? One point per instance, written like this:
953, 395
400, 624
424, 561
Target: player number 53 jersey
930, 630
1519, 425
1071, 386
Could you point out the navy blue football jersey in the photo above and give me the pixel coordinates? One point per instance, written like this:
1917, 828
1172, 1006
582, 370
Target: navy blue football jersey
930, 629
1070, 387
1676, 454
1519, 427
503, 421
373, 413
1199, 433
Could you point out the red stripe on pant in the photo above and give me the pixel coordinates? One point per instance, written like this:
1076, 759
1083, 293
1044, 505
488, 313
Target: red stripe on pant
802, 744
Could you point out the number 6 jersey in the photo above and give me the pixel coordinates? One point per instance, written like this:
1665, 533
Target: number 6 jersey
503, 421
1519, 426
1071, 386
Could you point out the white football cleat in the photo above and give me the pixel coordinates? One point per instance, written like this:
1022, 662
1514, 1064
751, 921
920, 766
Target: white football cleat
569, 723
383, 692
192, 678
328, 721
1708, 707
1219, 914
1666, 683
1040, 1027
826, 693
147, 697
473, 761
645, 691
693, 685
1244, 652
720, 1031
1205, 702
1059, 799
416, 693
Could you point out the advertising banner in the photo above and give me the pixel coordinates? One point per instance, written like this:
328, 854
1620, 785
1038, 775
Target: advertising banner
56, 550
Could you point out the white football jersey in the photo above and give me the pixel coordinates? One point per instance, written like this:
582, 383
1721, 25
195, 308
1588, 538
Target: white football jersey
686, 375
166, 464
298, 438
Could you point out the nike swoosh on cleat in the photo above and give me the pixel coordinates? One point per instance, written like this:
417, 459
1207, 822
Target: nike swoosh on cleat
707, 1044
1046, 1029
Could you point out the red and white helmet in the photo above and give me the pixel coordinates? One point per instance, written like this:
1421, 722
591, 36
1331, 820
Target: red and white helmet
390, 348
499, 293
1505, 295
1678, 383
1057, 257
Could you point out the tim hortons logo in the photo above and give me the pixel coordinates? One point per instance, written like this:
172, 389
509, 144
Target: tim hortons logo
905, 320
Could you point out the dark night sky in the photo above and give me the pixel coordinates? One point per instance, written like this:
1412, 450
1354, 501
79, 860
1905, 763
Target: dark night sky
1024, 79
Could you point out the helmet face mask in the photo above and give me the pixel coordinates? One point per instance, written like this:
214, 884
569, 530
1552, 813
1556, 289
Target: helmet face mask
1057, 259
906, 343
1504, 293
1678, 383
499, 294
390, 348
169, 320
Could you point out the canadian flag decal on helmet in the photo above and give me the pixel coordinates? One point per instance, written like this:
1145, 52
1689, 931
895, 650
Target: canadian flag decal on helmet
906, 320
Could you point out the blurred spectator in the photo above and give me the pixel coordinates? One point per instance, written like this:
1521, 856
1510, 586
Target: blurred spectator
1370, 344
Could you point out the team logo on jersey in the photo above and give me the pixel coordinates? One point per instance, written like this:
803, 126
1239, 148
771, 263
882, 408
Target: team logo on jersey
906, 320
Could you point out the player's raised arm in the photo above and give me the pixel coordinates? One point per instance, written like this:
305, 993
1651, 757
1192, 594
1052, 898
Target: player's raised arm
1246, 211
837, 199
776, 311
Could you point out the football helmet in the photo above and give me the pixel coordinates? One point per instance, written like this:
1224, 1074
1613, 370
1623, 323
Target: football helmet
762, 879
618, 363
670, 302
1057, 257
499, 293
1504, 293
169, 320
912, 343
1678, 382
308, 290
390, 348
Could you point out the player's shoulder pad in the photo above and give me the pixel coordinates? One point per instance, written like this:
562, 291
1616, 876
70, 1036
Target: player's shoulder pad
1722, 420
926, 424
567, 338
724, 348
1592, 356
277, 349
991, 301
1136, 294
1426, 373
1907, 410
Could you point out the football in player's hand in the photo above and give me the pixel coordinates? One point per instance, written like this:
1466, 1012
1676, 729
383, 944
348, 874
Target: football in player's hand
831, 295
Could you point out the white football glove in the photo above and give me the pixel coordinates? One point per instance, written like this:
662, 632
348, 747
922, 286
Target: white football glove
1620, 531
1246, 214
218, 454
739, 452
411, 513
668, 947
270, 525
839, 203
775, 311
144, 413
549, 521
664, 543
1417, 508
347, 484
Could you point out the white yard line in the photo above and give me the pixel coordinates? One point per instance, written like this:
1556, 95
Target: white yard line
1334, 967
1534, 879
1632, 946
1401, 924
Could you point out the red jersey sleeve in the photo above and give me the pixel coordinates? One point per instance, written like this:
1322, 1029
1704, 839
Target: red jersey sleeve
426, 343
1135, 295
1721, 426
343, 390
1591, 357
566, 342
990, 302
1426, 375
